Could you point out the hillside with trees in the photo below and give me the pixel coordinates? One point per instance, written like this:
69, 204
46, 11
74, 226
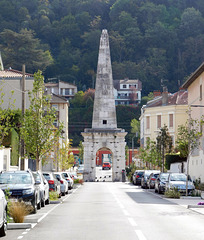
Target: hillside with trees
150, 40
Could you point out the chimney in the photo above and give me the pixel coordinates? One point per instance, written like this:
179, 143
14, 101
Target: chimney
157, 93
165, 96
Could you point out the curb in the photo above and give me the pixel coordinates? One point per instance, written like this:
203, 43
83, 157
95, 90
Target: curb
195, 206
18, 226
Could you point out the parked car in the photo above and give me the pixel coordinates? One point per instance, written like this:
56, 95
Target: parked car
3, 214
44, 187
178, 181
69, 179
74, 175
21, 185
145, 176
106, 165
54, 184
136, 178
161, 182
63, 183
151, 179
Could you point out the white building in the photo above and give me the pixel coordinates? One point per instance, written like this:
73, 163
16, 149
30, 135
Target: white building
127, 91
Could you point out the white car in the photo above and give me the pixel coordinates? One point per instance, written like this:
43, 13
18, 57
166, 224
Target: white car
63, 183
178, 181
3, 214
69, 180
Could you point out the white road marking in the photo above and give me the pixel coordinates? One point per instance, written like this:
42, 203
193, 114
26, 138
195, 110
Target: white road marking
20, 237
40, 219
132, 222
24, 232
140, 235
126, 212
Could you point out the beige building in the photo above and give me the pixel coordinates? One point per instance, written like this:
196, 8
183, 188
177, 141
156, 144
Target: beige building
195, 86
165, 109
11, 81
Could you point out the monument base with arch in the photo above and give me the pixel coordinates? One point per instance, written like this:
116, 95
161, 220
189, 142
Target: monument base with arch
111, 139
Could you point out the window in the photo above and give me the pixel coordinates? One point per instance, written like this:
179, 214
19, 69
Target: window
171, 124
124, 86
55, 106
158, 121
148, 122
201, 92
55, 123
104, 121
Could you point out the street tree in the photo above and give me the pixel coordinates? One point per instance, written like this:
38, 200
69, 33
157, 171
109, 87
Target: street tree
150, 154
37, 128
164, 143
65, 157
188, 140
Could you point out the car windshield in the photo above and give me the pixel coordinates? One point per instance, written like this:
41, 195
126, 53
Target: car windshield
140, 173
164, 177
15, 178
47, 176
178, 177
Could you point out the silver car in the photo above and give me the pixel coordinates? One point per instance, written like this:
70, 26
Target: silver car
3, 213
63, 183
178, 181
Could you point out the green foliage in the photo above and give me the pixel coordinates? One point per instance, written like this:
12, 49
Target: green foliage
172, 193
188, 137
53, 195
7, 115
149, 40
15, 147
37, 125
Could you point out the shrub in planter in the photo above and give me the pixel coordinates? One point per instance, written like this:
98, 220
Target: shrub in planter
172, 193
53, 195
18, 211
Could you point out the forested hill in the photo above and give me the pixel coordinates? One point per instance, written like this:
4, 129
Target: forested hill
150, 39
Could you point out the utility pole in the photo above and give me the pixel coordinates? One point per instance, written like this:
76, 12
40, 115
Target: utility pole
23, 112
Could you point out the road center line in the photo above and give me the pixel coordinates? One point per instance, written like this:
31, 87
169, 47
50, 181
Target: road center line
132, 222
126, 212
20, 237
140, 235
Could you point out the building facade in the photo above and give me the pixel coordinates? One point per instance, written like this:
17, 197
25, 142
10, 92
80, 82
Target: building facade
195, 86
166, 109
127, 91
61, 88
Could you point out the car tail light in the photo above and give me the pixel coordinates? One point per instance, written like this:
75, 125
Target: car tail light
51, 182
61, 182
137, 176
153, 179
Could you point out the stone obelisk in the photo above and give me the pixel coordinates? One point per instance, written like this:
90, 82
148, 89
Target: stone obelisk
104, 134
104, 113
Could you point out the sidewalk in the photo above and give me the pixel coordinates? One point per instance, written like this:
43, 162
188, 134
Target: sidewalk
190, 203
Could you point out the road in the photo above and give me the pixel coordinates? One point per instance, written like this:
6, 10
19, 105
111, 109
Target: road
114, 211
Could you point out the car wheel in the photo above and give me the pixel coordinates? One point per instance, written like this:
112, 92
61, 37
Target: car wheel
4, 226
34, 204
39, 205
155, 190
63, 193
47, 201
43, 202
159, 191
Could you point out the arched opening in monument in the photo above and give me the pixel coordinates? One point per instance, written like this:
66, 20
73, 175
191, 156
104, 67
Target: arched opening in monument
104, 165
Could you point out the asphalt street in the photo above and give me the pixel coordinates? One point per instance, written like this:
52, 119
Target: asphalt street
115, 211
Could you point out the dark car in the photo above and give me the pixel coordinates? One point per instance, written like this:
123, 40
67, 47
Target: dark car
145, 177
44, 187
151, 179
21, 185
161, 182
54, 184
136, 178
